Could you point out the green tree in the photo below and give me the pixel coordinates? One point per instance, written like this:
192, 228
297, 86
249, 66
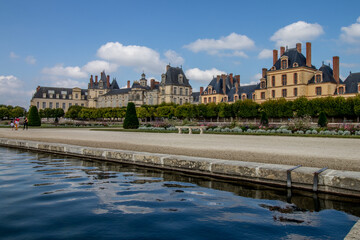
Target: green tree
34, 118
322, 122
131, 120
17, 112
73, 112
4, 112
300, 107
59, 112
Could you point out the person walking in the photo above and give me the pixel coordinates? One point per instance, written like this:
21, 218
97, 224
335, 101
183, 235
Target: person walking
16, 123
25, 124
12, 125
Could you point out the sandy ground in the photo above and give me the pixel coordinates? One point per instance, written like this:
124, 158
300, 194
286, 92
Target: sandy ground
335, 153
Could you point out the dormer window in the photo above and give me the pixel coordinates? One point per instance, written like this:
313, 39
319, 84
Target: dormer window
262, 84
181, 78
273, 68
205, 93
318, 78
295, 64
214, 92
243, 96
283, 64
44, 95
341, 90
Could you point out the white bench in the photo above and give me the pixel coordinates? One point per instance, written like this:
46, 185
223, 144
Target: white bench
191, 128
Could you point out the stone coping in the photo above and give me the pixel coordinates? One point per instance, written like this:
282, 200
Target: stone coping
329, 181
354, 233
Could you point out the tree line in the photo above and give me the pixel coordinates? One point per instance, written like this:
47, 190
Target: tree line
9, 112
332, 107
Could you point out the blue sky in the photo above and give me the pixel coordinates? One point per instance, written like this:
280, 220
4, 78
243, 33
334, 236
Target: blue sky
61, 43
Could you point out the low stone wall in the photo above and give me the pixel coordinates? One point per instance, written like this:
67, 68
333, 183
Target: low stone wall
329, 181
354, 233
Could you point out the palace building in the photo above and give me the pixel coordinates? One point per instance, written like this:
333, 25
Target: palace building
292, 75
173, 88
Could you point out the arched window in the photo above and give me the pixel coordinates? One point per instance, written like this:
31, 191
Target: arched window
243, 97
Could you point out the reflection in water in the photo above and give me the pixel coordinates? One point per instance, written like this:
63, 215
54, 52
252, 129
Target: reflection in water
101, 195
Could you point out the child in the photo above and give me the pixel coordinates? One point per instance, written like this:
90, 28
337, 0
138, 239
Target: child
12, 125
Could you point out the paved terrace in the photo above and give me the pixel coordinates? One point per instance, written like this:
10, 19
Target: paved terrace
335, 153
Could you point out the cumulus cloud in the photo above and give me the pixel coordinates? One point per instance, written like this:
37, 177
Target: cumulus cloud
233, 42
69, 83
265, 53
173, 57
140, 57
351, 34
98, 66
60, 70
30, 60
202, 75
12, 91
297, 32
13, 55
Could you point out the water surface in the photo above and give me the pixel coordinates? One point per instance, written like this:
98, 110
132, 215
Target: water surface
45, 196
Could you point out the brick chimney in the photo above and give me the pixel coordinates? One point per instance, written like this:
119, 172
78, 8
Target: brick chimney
298, 47
231, 79
96, 78
237, 77
282, 50
128, 84
275, 56
91, 81
308, 54
264, 70
38, 88
152, 84
223, 76
201, 90
108, 81
336, 69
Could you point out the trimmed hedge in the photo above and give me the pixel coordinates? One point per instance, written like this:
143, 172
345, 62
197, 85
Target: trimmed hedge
131, 120
34, 118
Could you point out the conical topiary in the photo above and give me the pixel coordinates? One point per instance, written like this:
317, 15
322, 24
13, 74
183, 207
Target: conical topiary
264, 119
34, 118
322, 122
131, 120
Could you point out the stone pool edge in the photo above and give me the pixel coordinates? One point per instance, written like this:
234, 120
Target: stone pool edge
329, 181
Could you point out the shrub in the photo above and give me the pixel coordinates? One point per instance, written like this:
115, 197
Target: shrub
34, 118
264, 119
322, 122
131, 120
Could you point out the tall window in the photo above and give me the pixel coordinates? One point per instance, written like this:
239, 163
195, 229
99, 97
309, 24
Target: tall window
181, 101
186, 91
63, 106
295, 78
181, 91
273, 93
214, 99
283, 80
262, 84
283, 64
295, 92
175, 90
318, 78
44, 105
205, 100
209, 99
273, 81
284, 93
57, 105
175, 100
37, 105
318, 91
50, 105
263, 95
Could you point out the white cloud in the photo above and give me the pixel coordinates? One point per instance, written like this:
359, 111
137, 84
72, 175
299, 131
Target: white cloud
98, 66
233, 42
173, 57
69, 83
140, 57
351, 34
13, 55
265, 53
12, 91
196, 74
232, 54
297, 32
251, 83
30, 60
60, 70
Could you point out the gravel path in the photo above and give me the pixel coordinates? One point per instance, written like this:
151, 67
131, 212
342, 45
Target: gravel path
335, 153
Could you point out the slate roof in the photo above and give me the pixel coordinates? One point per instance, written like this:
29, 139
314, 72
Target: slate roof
327, 75
102, 83
171, 77
248, 90
351, 83
196, 97
293, 56
117, 91
137, 85
39, 93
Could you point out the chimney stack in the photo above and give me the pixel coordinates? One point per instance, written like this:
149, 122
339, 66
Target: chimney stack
275, 56
201, 90
152, 84
308, 54
91, 81
231, 79
282, 50
223, 76
237, 77
298, 47
108, 81
336, 69
128, 84
167, 67
38, 88
264, 70
96, 78
217, 78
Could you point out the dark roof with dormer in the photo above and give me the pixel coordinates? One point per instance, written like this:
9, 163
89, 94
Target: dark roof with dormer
41, 90
248, 90
101, 84
171, 77
293, 57
138, 85
117, 91
327, 75
351, 83
196, 97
